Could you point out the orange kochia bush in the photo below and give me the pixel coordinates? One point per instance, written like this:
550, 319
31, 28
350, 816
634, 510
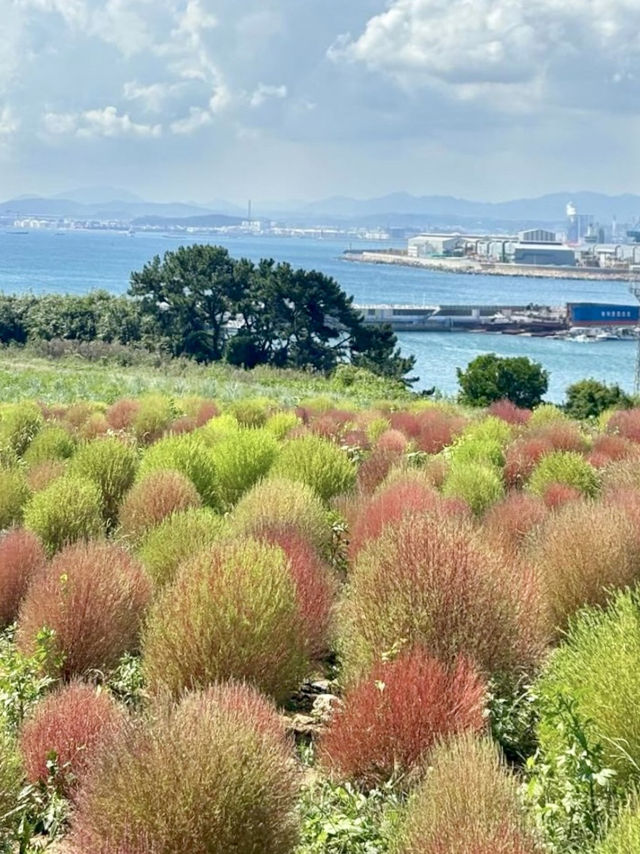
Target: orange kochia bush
391, 719
21, 556
508, 522
154, 497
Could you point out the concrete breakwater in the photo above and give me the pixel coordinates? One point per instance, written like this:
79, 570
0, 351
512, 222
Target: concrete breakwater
472, 267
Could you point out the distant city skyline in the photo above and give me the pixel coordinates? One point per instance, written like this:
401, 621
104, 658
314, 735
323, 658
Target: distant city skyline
299, 100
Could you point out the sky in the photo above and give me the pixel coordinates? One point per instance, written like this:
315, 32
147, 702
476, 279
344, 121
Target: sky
304, 99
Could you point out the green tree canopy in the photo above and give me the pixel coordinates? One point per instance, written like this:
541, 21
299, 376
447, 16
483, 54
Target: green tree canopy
489, 378
589, 398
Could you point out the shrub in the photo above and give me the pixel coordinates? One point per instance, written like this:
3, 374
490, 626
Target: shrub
508, 522
563, 435
14, 494
121, 414
275, 502
176, 538
153, 416
111, 465
613, 448
71, 724
53, 442
189, 456
624, 474
624, 835
477, 484
467, 802
427, 581
240, 460
251, 411
521, 458
392, 718
558, 494
566, 467
232, 612
154, 497
41, 475
596, 672
214, 775
96, 425
437, 430
580, 553
393, 441
489, 378
19, 423
590, 398
92, 596
374, 469
281, 423
318, 463
69, 509
509, 412
21, 556
625, 423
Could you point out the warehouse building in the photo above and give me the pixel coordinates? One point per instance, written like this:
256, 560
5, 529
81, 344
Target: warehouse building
430, 245
541, 248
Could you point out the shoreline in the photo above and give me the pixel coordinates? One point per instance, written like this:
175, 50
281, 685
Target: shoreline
474, 268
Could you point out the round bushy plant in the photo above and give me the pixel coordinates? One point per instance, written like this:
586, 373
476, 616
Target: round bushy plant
232, 612
177, 538
121, 414
508, 523
277, 501
213, 775
478, 484
111, 465
595, 673
70, 725
568, 467
190, 456
153, 498
251, 411
394, 716
93, 597
19, 423
240, 460
21, 556
152, 417
467, 802
69, 509
281, 423
14, 494
53, 442
40, 476
318, 463
427, 580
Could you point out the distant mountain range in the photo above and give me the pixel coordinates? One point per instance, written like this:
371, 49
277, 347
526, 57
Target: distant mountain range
396, 209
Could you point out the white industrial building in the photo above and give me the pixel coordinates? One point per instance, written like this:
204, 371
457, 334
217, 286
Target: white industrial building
541, 248
429, 245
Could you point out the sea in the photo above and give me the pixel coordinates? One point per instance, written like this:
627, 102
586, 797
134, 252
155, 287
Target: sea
76, 262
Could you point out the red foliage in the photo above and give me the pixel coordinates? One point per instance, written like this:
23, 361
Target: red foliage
93, 597
509, 412
558, 494
73, 722
626, 423
41, 475
521, 457
206, 411
21, 556
78, 414
356, 438
122, 413
437, 430
509, 521
96, 425
184, 424
376, 467
393, 441
562, 435
316, 587
392, 718
405, 422
155, 497
627, 499
614, 448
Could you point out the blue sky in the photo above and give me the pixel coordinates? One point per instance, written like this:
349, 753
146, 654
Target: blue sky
301, 99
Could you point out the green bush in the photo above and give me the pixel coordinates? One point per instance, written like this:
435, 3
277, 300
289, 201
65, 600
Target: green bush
69, 509
318, 463
624, 836
568, 467
51, 443
590, 398
281, 423
251, 411
152, 418
478, 484
489, 378
240, 460
177, 538
277, 502
189, 456
19, 423
14, 494
232, 613
111, 465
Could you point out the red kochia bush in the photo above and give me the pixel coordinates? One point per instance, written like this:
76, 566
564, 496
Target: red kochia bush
373, 470
614, 447
558, 494
437, 430
21, 556
508, 522
206, 411
392, 718
626, 423
392, 440
509, 412
406, 422
121, 414
563, 436
73, 723
93, 596
153, 498
521, 457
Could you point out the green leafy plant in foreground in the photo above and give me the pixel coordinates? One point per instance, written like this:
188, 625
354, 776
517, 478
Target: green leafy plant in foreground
24, 679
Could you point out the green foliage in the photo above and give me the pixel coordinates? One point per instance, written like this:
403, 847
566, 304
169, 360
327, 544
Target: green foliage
513, 715
281, 423
111, 465
251, 412
624, 835
568, 467
240, 460
154, 415
24, 679
126, 681
489, 378
590, 398
53, 442
18, 425
177, 538
11, 781
478, 484
69, 509
14, 494
189, 456
318, 463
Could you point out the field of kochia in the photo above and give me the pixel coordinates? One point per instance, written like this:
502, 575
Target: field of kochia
243, 624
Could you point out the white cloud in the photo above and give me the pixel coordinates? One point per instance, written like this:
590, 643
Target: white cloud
9, 122
264, 92
152, 96
103, 122
196, 119
60, 124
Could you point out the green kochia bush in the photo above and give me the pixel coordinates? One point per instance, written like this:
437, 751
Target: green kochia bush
191, 457
19, 423
14, 494
111, 465
318, 463
240, 460
177, 538
213, 775
478, 484
69, 509
568, 467
232, 612
153, 416
596, 672
53, 442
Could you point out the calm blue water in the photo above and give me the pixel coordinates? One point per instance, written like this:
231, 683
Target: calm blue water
76, 262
